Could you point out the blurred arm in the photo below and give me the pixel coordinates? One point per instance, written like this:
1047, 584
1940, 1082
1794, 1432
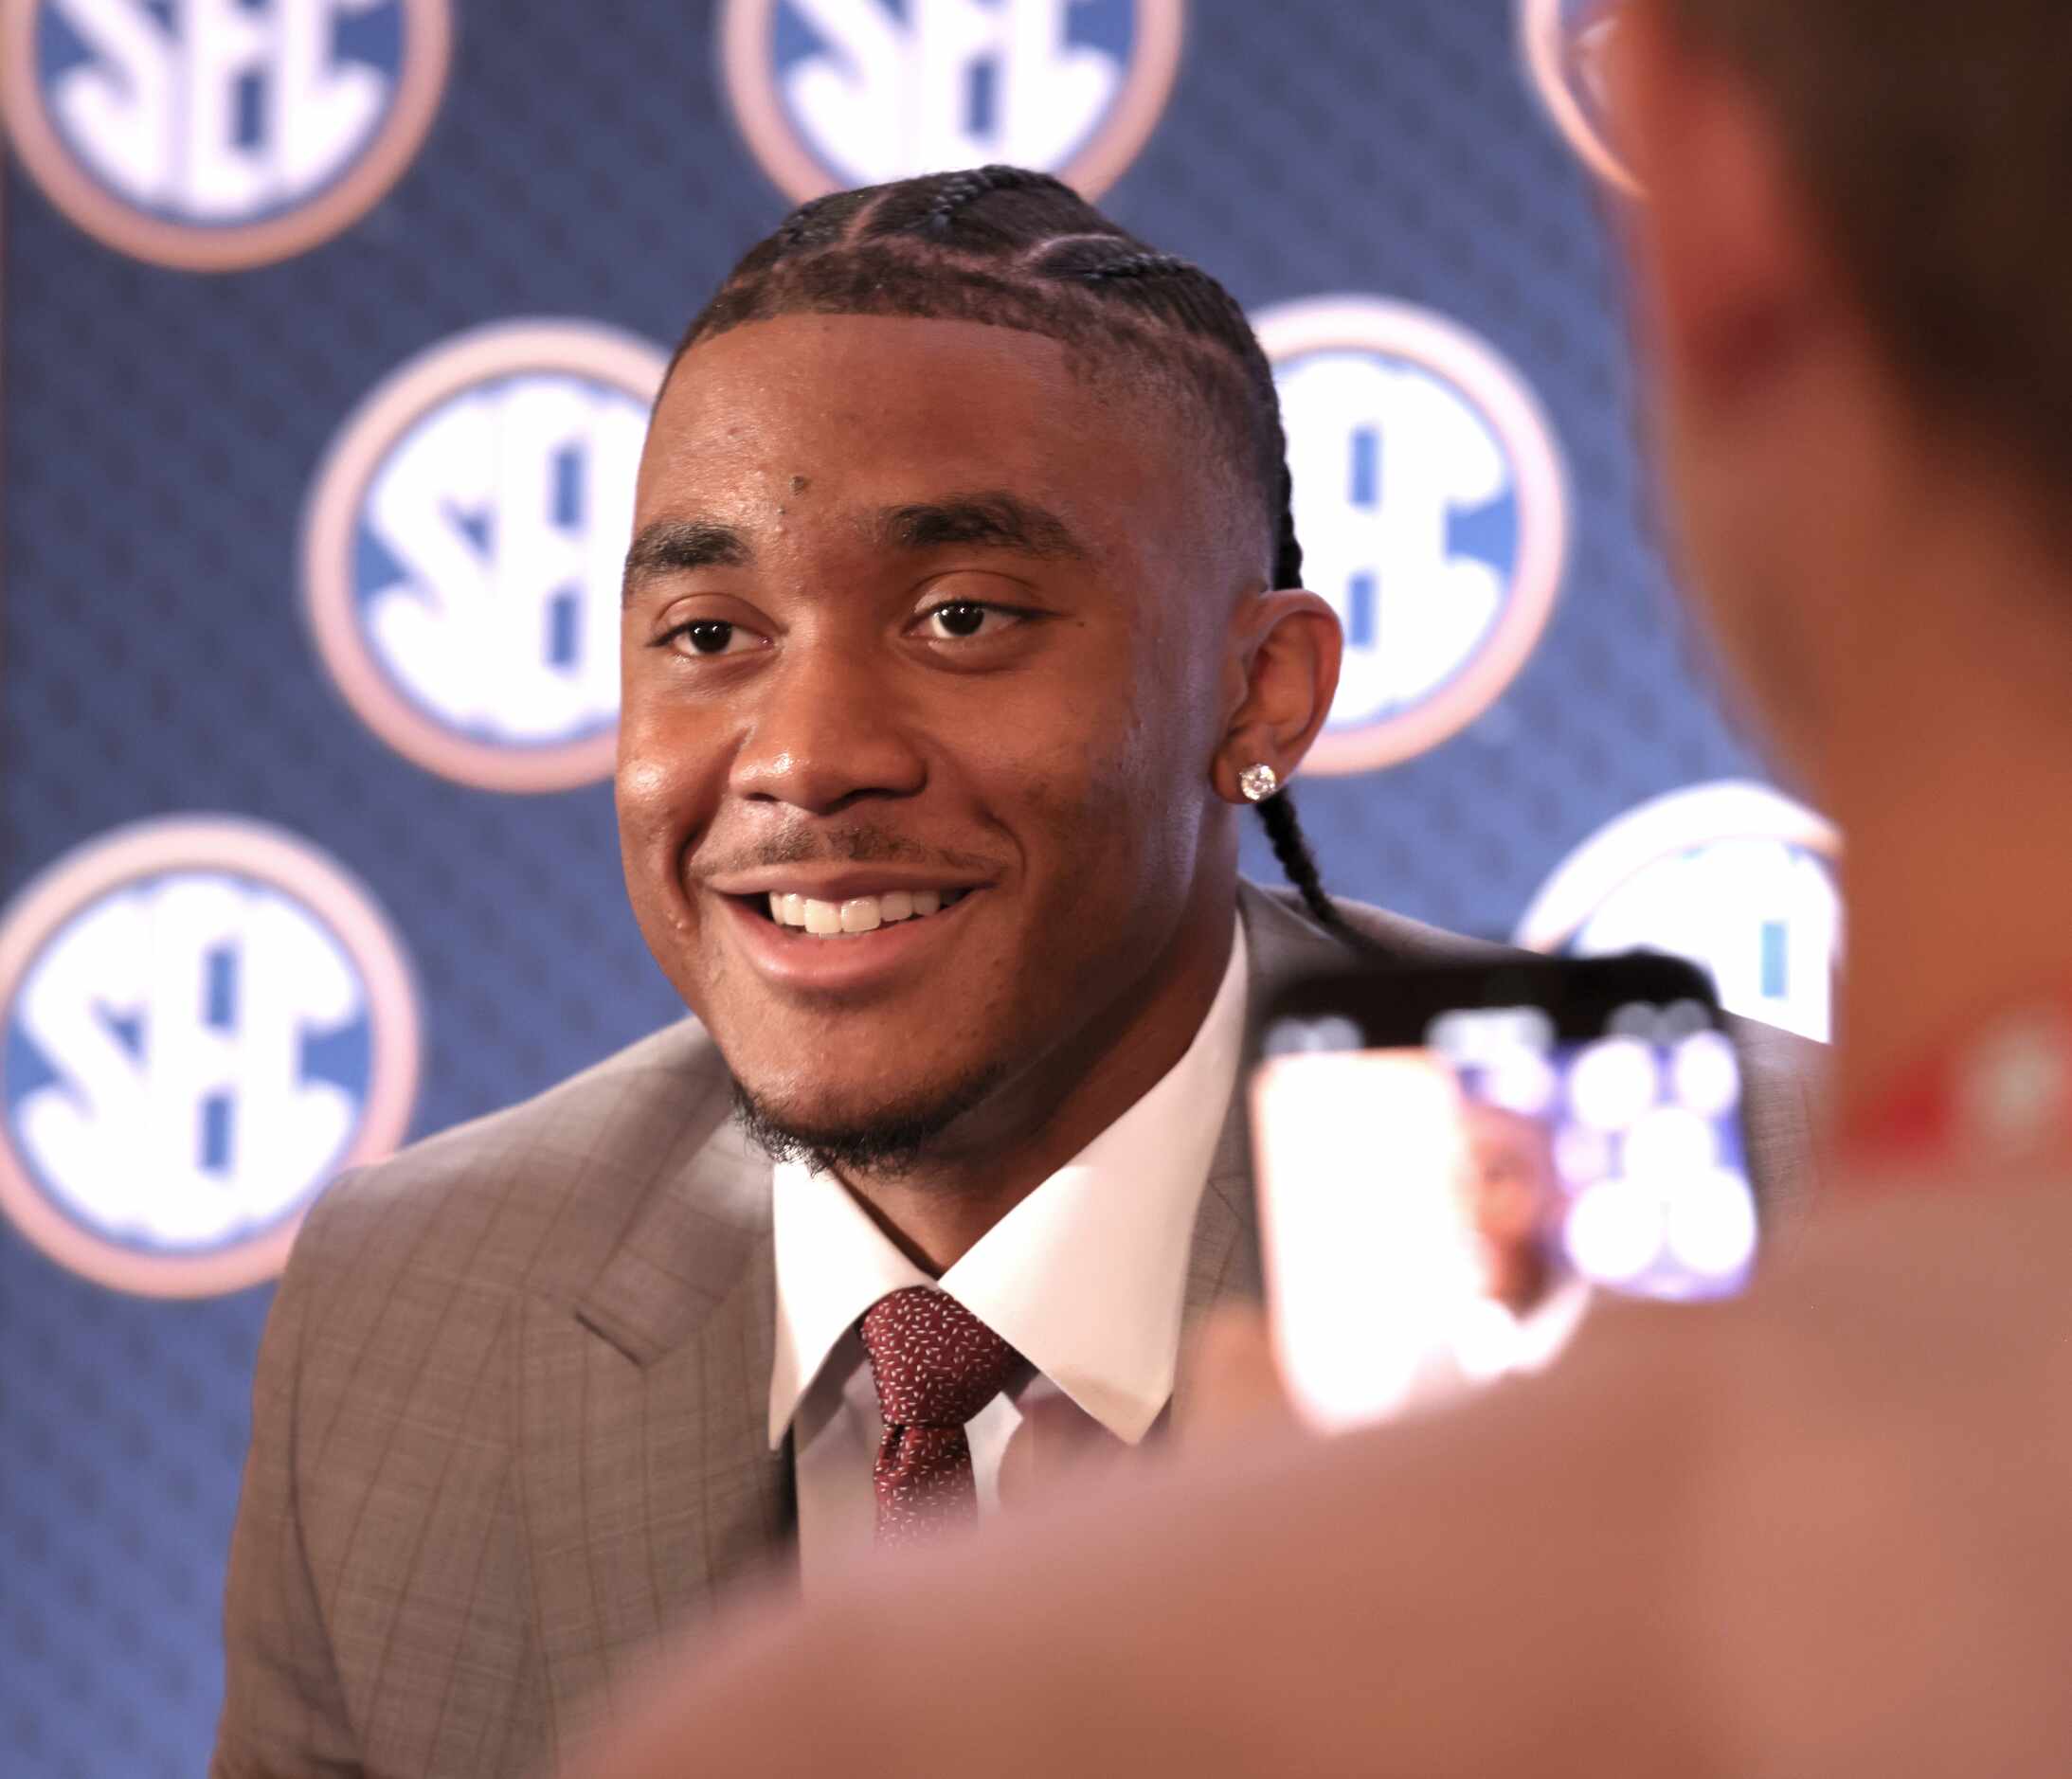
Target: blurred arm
1484, 1593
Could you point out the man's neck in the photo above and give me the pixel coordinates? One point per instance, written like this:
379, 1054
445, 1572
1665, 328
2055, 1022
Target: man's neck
1952, 783
937, 1211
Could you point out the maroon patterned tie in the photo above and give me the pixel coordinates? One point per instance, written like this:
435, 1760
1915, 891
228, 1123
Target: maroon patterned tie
936, 1366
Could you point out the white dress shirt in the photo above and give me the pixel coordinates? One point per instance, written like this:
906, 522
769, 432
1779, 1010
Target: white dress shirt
1086, 1278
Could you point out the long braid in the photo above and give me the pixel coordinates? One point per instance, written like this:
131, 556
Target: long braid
1276, 813
1017, 248
1291, 845
1298, 864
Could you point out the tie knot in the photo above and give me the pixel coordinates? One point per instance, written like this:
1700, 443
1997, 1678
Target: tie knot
936, 1363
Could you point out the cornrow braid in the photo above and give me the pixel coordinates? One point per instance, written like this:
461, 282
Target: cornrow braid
1298, 864
1137, 265
962, 189
1011, 247
1287, 548
1291, 847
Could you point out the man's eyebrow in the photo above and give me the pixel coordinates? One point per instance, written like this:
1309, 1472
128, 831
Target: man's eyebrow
672, 544
993, 520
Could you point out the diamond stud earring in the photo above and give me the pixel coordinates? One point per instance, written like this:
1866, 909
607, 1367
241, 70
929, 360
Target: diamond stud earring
1258, 782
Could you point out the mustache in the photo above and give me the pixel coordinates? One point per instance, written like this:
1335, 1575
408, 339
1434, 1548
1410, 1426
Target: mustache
843, 846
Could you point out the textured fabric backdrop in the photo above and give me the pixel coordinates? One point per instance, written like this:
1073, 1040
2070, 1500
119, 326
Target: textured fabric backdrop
327, 329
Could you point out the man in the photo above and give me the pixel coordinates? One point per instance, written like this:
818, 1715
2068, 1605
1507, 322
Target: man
963, 618
1819, 1531
1510, 1198
1528, 1302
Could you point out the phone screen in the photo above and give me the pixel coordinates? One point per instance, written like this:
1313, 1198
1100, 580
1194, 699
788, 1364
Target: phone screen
1439, 1215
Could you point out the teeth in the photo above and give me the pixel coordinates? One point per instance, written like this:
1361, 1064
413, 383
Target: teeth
859, 914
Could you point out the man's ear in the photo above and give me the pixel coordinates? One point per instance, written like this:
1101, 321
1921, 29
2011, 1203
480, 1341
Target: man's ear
1280, 675
1725, 271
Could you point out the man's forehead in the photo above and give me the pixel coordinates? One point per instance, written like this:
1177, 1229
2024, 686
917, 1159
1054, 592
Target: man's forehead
792, 357
779, 418
813, 420
994, 520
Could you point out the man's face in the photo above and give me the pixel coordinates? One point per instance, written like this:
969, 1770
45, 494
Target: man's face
914, 613
1508, 1189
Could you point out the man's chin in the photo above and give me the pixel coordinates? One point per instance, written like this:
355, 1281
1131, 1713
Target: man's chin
888, 1139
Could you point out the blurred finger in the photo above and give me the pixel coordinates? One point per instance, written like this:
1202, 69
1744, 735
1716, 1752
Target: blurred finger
1056, 1449
1236, 1388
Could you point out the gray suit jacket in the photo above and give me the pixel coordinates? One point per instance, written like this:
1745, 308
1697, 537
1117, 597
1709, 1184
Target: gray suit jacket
509, 1419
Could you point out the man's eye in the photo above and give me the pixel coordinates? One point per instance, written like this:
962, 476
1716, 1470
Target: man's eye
711, 635
960, 620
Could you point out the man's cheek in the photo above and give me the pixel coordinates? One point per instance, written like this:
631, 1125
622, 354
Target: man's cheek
1137, 781
644, 779
1091, 828
649, 849
670, 778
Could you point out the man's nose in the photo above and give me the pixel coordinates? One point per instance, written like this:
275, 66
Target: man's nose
827, 730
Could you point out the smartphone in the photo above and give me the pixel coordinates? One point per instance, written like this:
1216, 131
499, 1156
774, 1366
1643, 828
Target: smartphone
1455, 1163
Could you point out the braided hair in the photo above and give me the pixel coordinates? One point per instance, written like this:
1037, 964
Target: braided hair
1009, 248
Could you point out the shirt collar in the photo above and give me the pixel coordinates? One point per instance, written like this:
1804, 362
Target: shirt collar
1085, 1277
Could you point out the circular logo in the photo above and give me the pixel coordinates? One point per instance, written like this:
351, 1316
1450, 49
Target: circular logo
1566, 43
464, 543
838, 93
1737, 878
1433, 511
202, 1021
210, 136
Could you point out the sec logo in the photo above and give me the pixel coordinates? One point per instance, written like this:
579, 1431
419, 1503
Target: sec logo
837, 93
218, 133
205, 1020
1566, 45
1432, 506
463, 546
1737, 878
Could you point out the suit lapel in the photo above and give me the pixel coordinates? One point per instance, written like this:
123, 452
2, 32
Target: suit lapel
644, 1473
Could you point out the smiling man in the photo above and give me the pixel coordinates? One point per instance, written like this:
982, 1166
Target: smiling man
907, 691
962, 621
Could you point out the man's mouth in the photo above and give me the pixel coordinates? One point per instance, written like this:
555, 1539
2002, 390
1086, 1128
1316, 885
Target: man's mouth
889, 930
820, 919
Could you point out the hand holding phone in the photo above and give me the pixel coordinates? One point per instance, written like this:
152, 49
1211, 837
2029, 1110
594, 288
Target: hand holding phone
1451, 1162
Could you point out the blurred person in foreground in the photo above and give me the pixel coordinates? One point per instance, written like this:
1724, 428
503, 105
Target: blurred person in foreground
1820, 1530
963, 621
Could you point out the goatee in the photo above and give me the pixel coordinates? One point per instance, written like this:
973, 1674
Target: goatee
894, 1142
